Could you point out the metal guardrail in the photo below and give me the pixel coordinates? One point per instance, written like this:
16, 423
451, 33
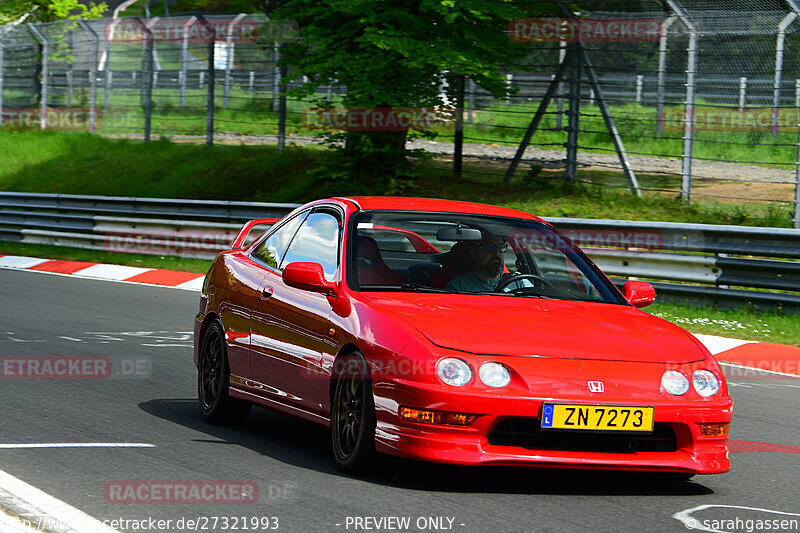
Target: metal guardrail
697, 256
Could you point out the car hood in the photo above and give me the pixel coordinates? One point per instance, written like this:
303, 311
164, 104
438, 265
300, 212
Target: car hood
500, 325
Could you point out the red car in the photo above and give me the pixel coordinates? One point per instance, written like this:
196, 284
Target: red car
453, 332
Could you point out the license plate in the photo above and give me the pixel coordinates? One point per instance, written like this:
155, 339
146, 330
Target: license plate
597, 417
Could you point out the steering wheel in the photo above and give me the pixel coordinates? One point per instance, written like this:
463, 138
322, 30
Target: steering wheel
518, 277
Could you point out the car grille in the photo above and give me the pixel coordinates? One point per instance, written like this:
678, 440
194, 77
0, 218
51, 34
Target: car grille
527, 433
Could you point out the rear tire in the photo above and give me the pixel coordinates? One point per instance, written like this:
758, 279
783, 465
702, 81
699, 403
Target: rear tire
213, 379
353, 418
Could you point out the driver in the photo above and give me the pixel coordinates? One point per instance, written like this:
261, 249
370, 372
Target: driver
487, 267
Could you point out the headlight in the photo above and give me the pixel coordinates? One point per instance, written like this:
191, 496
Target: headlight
675, 382
454, 371
494, 375
705, 382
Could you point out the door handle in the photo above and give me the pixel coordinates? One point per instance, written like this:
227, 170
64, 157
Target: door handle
266, 293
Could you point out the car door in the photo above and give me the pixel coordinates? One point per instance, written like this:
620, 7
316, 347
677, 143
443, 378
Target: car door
290, 328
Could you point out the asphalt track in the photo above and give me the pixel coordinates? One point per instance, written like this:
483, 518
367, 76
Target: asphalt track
150, 399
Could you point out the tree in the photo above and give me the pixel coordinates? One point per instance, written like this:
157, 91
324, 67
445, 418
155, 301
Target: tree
392, 53
49, 10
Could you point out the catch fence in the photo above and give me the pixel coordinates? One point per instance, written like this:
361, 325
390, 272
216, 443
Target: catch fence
704, 97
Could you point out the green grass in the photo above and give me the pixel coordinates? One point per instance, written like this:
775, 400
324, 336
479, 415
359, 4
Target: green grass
87, 164
97, 256
739, 324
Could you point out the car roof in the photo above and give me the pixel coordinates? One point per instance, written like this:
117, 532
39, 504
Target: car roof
401, 203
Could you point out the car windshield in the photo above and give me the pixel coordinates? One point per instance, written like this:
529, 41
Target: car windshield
470, 254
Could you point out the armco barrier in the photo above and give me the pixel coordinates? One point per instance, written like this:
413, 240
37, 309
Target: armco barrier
696, 256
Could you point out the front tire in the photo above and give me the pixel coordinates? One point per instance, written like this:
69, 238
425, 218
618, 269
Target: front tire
353, 418
213, 379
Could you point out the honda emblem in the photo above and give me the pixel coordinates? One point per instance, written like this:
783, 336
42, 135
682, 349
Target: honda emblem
596, 386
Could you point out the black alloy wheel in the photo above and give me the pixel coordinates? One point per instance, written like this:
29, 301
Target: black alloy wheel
353, 418
213, 377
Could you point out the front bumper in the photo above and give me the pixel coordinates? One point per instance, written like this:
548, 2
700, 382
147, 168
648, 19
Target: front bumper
692, 453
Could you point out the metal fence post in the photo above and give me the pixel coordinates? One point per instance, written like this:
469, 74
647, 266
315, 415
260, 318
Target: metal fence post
742, 93
92, 75
639, 88
45, 56
147, 77
797, 93
69, 75
776, 88
282, 108
662, 73
229, 61
252, 81
797, 182
2, 54
276, 77
573, 116
185, 58
562, 54
470, 100
107, 67
458, 140
210, 111
688, 117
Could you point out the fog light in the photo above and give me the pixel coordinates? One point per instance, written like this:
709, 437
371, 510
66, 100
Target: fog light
715, 430
427, 416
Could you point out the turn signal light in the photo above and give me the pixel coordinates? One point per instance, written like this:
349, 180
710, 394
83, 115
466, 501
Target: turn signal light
715, 430
426, 416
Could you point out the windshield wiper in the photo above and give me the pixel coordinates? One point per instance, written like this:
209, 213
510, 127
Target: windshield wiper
416, 287
421, 288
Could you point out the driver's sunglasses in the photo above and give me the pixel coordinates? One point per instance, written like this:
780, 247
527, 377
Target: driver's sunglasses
501, 247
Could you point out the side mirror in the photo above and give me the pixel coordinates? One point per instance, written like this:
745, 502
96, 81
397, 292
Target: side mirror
308, 277
239, 241
639, 293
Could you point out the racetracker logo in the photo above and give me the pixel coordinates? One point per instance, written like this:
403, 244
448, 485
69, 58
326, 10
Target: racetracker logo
181, 492
60, 119
245, 30
761, 369
534, 241
550, 30
378, 119
731, 119
169, 243
55, 367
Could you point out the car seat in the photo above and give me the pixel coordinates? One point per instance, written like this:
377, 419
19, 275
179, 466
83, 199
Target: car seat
371, 268
455, 262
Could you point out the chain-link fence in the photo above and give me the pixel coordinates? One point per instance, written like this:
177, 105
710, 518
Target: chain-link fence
689, 97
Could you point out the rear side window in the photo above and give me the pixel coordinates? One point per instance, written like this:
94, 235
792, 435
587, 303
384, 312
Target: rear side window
272, 249
317, 241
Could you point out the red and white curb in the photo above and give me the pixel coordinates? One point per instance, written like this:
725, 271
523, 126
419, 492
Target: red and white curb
744, 360
149, 276
741, 358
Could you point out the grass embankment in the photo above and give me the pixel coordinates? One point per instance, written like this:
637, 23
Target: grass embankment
88, 164
85, 164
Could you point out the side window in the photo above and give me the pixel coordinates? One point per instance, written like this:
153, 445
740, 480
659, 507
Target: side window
317, 241
272, 249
